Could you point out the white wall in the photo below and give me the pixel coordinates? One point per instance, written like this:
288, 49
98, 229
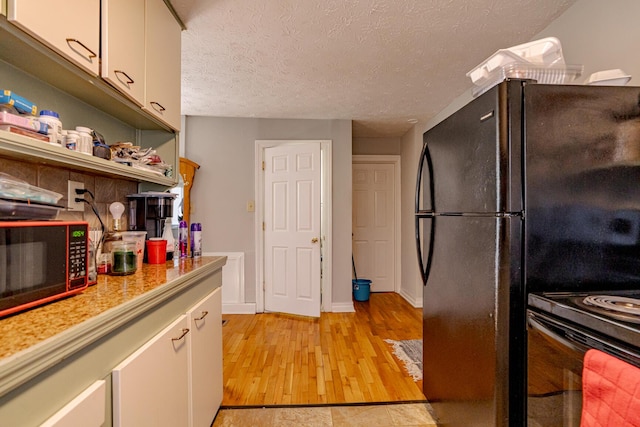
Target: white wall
224, 149
600, 35
376, 146
411, 286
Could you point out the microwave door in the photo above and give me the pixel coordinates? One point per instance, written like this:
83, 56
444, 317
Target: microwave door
25, 266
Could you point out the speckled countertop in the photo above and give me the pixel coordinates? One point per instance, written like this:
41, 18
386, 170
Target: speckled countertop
24, 330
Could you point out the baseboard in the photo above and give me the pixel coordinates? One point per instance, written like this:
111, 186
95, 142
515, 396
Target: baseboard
417, 303
342, 307
244, 308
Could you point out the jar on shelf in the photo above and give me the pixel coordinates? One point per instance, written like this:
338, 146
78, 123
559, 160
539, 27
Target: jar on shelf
54, 126
86, 140
123, 258
72, 140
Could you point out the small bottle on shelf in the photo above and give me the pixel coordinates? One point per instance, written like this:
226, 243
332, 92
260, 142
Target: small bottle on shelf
183, 239
196, 240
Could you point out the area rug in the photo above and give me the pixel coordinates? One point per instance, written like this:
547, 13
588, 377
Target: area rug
410, 353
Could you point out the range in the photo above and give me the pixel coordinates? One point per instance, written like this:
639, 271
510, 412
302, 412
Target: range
563, 326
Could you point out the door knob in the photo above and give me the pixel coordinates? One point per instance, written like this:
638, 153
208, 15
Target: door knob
314, 240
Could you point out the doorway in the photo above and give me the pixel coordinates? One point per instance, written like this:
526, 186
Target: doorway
287, 267
376, 220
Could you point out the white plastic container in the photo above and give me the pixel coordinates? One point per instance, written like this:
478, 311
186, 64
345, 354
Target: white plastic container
545, 75
545, 52
86, 140
138, 238
54, 126
615, 77
72, 141
167, 235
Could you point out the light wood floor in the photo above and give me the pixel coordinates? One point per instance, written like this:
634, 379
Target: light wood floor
278, 359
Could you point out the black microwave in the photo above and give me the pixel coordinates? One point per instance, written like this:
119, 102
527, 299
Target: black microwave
41, 261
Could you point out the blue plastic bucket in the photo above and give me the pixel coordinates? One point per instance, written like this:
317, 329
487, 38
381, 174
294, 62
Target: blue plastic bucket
361, 289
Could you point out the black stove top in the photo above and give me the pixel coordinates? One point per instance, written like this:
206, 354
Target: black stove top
613, 314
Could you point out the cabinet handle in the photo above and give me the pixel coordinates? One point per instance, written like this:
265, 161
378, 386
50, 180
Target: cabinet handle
129, 79
204, 314
157, 106
91, 53
185, 331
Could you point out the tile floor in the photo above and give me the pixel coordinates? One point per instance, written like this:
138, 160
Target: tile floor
381, 415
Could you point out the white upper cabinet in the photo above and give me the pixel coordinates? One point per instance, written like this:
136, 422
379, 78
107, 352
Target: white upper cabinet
70, 27
123, 55
162, 89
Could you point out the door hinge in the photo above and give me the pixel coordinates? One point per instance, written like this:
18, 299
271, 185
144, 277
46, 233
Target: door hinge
263, 226
263, 165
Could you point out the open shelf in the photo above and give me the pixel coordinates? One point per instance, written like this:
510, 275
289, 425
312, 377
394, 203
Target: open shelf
22, 147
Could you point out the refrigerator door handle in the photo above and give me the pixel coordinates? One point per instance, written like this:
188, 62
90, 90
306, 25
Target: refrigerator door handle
425, 269
425, 155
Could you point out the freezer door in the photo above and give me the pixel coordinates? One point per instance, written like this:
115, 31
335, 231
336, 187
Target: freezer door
473, 322
475, 156
583, 197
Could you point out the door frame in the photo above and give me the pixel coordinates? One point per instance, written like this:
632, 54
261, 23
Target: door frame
326, 225
395, 161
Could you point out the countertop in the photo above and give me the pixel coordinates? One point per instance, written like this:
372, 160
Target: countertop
43, 335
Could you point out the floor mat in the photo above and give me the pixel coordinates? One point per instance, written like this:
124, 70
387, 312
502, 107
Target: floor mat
410, 353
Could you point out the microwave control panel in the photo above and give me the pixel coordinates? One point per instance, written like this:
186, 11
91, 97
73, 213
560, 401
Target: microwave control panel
78, 237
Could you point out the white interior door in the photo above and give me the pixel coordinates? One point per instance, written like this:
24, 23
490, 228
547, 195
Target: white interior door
374, 227
292, 229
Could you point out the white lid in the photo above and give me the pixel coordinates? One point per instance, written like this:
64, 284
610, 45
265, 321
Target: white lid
84, 129
615, 77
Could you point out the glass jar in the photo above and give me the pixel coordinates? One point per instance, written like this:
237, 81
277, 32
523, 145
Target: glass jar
123, 258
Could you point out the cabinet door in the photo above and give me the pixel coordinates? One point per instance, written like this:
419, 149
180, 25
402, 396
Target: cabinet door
205, 368
85, 410
123, 46
70, 27
150, 387
162, 49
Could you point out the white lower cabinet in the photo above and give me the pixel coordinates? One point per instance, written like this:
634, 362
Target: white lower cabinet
205, 359
175, 379
85, 410
150, 387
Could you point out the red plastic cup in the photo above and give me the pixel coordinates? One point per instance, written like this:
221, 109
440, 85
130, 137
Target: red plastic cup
156, 251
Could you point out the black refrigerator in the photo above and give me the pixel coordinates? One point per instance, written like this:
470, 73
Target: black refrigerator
528, 187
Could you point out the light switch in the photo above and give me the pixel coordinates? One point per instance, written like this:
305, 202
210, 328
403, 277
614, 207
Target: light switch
251, 207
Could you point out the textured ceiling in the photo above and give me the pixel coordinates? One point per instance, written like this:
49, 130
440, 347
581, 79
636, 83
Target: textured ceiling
376, 62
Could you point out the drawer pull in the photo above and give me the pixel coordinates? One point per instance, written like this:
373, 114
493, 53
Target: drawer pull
91, 53
204, 314
185, 331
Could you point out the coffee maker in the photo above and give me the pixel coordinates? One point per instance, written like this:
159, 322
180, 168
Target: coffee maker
148, 212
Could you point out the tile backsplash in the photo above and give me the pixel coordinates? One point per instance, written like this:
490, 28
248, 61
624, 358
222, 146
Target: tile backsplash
105, 190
